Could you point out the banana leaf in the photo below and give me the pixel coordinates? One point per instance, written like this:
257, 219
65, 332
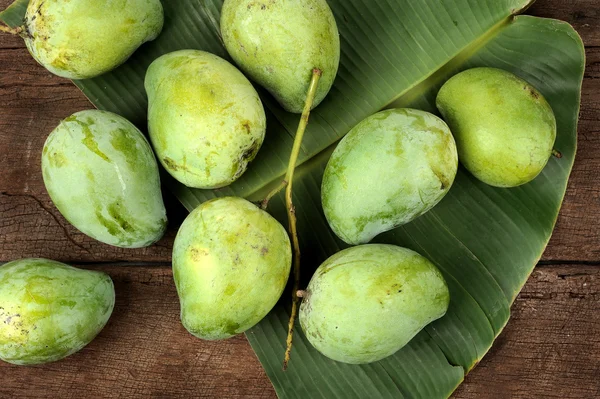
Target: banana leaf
485, 240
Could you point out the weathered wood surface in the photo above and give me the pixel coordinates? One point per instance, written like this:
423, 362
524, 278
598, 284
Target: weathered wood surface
550, 348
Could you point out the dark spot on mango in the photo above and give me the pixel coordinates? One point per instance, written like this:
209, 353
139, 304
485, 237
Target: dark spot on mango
174, 166
170, 164
246, 126
250, 153
197, 253
532, 92
443, 181
9, 318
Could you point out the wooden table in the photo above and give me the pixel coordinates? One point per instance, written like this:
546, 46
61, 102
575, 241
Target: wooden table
550, 348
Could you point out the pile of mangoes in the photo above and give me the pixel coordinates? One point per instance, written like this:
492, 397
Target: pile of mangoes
206, 122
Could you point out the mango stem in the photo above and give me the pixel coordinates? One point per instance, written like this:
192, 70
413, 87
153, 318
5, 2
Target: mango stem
291, 210
556, 154
12, 31
265, 203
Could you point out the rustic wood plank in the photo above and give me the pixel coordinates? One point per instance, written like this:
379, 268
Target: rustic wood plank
576, 235
584, 15
551, 346
549, 349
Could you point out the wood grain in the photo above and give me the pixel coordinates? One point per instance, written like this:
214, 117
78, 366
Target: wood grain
576, 236
550, 348
584, 15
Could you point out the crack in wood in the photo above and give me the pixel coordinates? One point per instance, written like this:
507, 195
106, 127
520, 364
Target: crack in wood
56, 219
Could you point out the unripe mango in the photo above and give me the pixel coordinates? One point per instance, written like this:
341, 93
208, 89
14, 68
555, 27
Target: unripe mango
365, 303
49, 310
279, 43
81, 39
231, 261
504, 128
205, 119
391, 168
102, 176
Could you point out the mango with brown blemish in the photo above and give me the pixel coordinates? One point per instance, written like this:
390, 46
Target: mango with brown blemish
102, 176
389, 169
365, 303
205, 119
49, 310
504, 128
231, 262
81, 39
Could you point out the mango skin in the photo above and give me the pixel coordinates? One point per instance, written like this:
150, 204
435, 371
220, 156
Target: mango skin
389, 169
365, 303
80, 39
49, 310
504, 128
102, 176
205, 119
231, 262
278, 43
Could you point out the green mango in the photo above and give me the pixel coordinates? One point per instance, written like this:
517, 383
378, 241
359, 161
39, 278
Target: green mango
504, 128
102, 176
205, 119
231, 262
389, 169
365, 303
49, 310
278, 43
81, 39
